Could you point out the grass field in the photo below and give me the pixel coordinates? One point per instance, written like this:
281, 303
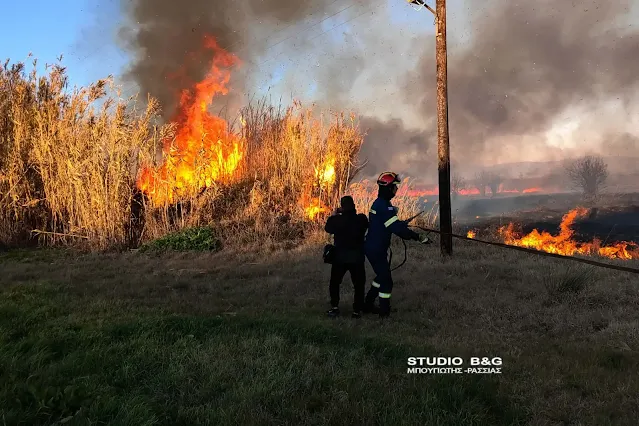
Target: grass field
238, 338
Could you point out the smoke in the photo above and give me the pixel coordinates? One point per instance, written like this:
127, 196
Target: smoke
166, 39
528, 63
518, 70
389, 141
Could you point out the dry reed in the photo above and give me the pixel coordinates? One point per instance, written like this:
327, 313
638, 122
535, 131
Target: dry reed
69, 160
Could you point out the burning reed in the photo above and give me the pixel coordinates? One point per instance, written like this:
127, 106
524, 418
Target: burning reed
80, 167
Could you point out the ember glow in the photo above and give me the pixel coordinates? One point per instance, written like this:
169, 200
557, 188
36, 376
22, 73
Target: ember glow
531, 190
324, 181
564, 244
204, 150
425, 192
471, 234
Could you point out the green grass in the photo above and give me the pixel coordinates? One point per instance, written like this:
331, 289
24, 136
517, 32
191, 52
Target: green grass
190, 239
85, 366
240, 338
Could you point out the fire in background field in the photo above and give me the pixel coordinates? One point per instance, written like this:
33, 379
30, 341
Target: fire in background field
564, 244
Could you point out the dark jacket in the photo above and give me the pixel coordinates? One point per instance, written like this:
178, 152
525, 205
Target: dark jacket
383, 222
349, 230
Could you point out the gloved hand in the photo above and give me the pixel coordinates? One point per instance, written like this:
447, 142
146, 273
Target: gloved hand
423, 239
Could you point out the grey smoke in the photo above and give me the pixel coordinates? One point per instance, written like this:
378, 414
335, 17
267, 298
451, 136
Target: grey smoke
526, 64
166, 36
387, 140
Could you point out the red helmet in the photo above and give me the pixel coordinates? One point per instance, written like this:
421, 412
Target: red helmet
388, 178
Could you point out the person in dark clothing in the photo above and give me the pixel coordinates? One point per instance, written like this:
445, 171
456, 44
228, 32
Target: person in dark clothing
383, 222
349, 229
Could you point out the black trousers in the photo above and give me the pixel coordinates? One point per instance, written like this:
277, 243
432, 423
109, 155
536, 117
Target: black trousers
358, 276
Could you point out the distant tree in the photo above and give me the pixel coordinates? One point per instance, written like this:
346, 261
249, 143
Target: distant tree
487, 179
588, 174
457, 184
481, 182
494, 180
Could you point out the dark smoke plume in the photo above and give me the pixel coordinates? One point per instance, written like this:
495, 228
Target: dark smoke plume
166, 38
390, 146
527, 63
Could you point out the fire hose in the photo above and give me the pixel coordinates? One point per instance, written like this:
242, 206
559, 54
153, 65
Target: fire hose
409, 220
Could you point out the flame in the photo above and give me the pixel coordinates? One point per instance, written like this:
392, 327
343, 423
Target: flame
472, 191
471, 234
326, 174
324, 181
531, 190
315, 208
204, 151
564, 244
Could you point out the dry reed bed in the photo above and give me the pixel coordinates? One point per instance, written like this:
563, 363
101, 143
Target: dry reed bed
69, 159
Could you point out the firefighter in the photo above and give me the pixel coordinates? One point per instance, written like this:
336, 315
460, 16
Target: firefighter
383, 222
349, 229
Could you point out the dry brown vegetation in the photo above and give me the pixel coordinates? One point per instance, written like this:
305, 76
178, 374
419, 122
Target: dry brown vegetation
69, 161
364, 193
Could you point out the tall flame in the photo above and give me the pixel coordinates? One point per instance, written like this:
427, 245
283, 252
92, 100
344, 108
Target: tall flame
204, 150
564, 244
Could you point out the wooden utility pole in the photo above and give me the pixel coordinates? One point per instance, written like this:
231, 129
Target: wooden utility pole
443, 147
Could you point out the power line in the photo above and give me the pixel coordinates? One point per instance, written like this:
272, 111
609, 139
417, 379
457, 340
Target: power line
269, 47
278, 32
289, 26
325, 32
319, 35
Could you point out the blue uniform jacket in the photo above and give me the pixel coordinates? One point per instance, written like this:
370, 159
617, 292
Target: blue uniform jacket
383, 222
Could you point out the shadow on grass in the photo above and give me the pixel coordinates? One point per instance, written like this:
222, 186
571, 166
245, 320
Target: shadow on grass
61, 363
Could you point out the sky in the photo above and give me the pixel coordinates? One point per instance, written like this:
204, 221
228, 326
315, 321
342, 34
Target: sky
82, 33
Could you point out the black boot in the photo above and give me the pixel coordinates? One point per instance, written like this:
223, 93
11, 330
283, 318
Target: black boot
370, 308
384, 308
333, 312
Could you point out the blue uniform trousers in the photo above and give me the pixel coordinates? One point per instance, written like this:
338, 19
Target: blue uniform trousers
382, 285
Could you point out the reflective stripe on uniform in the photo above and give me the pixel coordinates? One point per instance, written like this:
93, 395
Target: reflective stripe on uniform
374, 284
390, 221
373, 211
385, 295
